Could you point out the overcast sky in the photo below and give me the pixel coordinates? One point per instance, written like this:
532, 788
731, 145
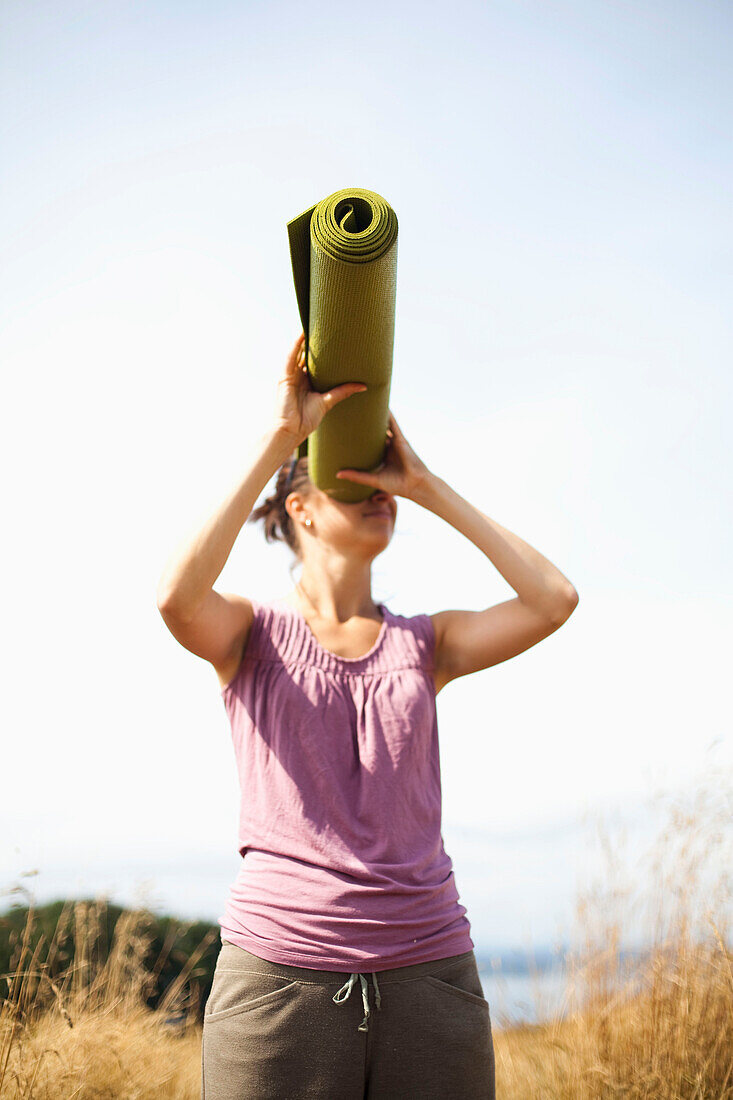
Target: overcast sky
562, 177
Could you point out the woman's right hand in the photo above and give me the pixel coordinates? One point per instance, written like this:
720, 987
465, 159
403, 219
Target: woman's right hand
300, 408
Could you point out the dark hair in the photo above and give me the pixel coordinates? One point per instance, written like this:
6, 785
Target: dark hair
291, 477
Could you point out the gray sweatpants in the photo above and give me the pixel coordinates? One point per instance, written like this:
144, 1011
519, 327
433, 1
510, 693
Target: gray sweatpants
275, 1032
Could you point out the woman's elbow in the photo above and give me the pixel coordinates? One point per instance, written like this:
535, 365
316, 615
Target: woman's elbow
565, 606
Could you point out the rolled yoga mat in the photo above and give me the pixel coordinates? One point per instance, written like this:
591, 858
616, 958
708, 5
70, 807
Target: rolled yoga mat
344, 256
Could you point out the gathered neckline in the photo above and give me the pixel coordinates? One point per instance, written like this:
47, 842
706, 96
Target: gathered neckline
329, 652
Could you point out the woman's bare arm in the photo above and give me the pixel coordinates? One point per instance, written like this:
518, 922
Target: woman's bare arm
468, 641
208, 623
216, 625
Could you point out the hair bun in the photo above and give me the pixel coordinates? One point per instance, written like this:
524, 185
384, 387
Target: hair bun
276, 520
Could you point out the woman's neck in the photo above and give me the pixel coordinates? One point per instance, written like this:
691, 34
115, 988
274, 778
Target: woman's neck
325, 604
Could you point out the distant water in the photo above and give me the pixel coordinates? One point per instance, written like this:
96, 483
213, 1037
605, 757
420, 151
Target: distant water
516, 997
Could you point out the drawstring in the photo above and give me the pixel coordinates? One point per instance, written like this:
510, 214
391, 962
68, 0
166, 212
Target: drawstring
345, 991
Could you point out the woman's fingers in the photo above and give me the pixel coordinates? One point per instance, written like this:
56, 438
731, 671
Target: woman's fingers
297, 353
354, 475
340, 393
394, 425
363, 476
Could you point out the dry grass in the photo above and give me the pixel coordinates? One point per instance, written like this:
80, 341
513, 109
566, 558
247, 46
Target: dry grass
662, 1030
90, 1033
656, 1028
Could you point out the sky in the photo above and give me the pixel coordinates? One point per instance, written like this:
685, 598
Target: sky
561, 174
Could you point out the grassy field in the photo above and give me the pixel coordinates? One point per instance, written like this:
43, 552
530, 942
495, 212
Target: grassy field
663, 1032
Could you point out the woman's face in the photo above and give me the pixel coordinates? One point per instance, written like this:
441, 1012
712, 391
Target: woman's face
364, 527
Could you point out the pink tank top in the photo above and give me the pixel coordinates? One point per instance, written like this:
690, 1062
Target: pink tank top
343, 864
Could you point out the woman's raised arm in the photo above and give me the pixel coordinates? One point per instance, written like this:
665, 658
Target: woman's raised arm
467, 641
208, 623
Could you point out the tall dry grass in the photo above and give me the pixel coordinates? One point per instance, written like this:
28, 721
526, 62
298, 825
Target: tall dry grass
89, 1032
657, 1028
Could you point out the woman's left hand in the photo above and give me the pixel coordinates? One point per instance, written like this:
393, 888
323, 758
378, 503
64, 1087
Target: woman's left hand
400, 473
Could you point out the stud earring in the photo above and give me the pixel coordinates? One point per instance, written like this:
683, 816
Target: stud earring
307, 523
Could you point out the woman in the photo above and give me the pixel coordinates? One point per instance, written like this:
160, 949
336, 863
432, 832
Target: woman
331, 700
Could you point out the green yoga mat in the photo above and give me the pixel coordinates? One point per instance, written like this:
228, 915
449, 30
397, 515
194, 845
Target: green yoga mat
344, 256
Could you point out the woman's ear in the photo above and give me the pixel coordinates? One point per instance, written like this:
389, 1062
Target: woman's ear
295, 506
